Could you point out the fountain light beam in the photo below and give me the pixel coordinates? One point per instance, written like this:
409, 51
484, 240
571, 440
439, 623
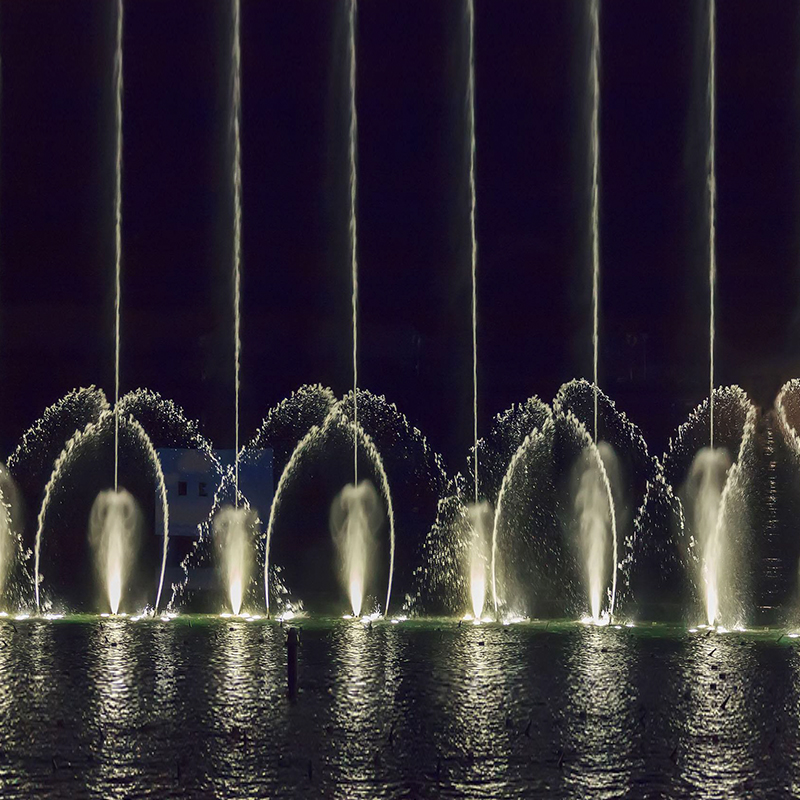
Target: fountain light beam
711, 180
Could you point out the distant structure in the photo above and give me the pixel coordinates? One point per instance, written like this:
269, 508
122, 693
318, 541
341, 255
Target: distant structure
192, 482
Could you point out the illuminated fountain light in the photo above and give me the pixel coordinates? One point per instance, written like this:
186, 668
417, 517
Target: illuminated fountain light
105, 614
3, 613
398, 620
481, 524
226, 615
114, 527
234, 530
599, 622
21, 617
354, 521
793, 635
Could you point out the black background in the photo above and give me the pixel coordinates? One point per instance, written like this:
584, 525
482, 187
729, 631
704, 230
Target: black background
56, 205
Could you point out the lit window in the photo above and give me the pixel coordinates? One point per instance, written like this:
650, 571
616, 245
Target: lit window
181, 488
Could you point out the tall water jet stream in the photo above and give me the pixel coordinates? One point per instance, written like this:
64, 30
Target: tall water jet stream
711, 180
352, 153
594, 156
236, 181
117, 232
473, 236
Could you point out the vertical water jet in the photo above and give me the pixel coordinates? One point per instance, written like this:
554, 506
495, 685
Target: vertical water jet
354, 521
352, 154
479, 516
596, 528
473, 235
233, 530
594, 158
711, 182
236, 185
117, 231
114, 530
705, 492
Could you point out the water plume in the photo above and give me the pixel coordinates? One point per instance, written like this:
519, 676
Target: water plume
234, 530
480, 530
114, 532
355, 518
704, 494
595, 524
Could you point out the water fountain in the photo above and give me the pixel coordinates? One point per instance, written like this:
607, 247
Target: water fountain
234, 530
114, 531
560, 510
557, 515
354, 522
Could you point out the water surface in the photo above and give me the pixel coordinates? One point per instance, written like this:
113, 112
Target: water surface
197, 707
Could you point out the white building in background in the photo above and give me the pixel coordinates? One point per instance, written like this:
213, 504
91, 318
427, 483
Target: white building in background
191, 483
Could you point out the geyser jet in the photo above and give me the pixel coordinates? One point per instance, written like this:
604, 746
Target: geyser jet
114, 529
480, 531
704, 496
355, 518
595, 524
233, 534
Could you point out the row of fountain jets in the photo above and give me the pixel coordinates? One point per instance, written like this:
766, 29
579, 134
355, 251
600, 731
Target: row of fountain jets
547, 519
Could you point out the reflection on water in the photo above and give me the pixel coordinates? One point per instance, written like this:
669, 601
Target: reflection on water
596, 757
364, 678
722, 695
115, 709
198, 708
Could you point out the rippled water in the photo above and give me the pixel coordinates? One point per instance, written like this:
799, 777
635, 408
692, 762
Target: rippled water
198, 708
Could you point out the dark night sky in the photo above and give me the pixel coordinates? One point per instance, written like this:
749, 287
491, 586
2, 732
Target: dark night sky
56, 212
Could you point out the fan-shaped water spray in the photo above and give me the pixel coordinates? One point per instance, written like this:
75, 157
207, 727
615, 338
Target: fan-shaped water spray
68, 458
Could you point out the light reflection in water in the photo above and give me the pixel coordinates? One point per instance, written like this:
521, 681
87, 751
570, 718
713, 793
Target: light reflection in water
718, 724
365, 675
599, 733
117, 705
479, 740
